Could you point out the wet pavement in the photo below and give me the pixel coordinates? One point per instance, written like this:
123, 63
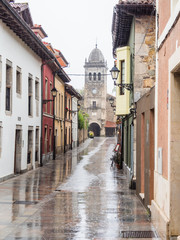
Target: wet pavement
78, 196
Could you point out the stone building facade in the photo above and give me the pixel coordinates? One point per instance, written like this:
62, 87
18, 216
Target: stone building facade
95, 92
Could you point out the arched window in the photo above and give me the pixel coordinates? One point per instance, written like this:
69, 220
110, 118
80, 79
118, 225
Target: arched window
90, 76
94, 76
99, 76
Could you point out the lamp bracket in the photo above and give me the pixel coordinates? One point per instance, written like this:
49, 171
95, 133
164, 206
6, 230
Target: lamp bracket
47, 100
127, 86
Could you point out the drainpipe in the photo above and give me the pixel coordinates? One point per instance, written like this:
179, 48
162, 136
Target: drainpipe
64, 118
54, 137
71, 122
42, 76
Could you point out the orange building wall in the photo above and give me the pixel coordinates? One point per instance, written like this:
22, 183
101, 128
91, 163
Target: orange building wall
165, 53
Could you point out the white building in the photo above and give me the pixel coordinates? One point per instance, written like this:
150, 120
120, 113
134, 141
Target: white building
21, 54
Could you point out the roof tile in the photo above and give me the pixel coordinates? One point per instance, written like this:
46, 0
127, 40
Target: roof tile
139, 2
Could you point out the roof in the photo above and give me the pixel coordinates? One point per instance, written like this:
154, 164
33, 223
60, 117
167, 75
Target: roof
136, 2
72, 91
23, 10
17, 24
123, 14
61, 59
61, 73
109, 124
13, 20
96, 55
38, 28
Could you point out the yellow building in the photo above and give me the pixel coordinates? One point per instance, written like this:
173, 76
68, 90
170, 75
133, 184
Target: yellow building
122, 94
60, 81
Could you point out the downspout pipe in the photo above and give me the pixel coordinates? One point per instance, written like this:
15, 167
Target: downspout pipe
64, 119
54, 137
42, 77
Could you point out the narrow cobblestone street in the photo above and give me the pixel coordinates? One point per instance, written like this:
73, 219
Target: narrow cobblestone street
78, 196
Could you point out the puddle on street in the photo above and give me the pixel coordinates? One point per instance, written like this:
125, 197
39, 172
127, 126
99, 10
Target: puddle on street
78, 196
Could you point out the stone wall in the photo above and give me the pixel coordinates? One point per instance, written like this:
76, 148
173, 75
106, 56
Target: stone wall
82, 135
144, 75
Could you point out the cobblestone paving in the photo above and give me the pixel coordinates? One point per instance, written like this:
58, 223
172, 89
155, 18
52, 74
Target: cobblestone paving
77, 196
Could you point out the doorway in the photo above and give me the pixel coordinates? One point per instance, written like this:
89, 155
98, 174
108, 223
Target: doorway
17, 154
95, 128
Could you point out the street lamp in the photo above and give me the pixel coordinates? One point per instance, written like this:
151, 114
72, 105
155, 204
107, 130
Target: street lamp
111, 100
114, 74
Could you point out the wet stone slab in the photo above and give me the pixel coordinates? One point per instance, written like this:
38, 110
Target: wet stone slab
77, 196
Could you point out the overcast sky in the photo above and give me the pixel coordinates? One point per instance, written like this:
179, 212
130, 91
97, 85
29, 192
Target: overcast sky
73, 27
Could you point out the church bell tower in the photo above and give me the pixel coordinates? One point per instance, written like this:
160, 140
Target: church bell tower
95, 91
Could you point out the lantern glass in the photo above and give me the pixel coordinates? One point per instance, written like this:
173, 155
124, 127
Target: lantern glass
54, 92
111, 100
114, 73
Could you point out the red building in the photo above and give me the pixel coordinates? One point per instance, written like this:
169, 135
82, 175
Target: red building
48, 113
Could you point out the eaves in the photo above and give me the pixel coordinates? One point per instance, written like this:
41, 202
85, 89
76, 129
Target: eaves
11, 18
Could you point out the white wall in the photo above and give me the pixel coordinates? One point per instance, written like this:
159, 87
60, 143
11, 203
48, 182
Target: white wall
16, 51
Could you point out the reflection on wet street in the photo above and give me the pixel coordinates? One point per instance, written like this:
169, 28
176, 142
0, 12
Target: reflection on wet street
77, 196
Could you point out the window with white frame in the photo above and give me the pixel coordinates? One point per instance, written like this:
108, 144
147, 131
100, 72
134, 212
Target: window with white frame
59, 104
30, 95
62, 106
122, 76
18, 80
37, 89
8, 106
37, 96
51, 103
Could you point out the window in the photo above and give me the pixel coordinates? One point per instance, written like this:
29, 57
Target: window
51, 106
0, 138
99, 76
30, 95
69, 107
122, 76
50, 139
62, 106
18, 80
94, 76
37, 96
8, 86
94, 104
37, 89
66, 107
59, 105
90, 76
